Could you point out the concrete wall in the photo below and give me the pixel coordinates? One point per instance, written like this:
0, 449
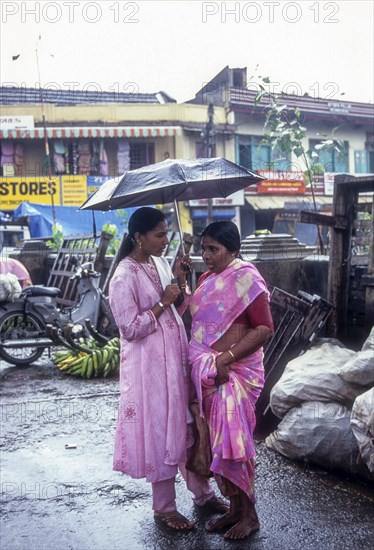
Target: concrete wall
309, 274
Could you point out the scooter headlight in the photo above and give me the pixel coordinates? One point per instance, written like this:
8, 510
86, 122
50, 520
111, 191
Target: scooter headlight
77, 329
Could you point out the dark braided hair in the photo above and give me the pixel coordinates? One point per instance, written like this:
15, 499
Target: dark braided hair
142, 220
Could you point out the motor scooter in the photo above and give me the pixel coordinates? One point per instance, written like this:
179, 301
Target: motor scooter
24, 334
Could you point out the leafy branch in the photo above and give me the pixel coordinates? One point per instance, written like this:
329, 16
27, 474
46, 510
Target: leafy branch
284, 131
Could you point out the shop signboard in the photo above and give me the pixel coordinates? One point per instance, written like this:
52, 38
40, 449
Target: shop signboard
16, 122
318, 185
94, 182
329, 183
36, 190
73, 190
236, 199
281, 182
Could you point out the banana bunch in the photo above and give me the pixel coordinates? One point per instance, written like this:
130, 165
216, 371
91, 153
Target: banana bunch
98, 361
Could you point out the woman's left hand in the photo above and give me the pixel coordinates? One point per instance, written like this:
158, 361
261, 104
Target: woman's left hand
223, 371
183, 265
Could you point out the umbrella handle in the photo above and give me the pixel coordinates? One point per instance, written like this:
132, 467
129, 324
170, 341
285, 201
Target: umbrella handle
179, 227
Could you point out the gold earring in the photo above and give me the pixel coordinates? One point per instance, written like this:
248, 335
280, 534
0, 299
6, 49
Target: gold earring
140, 245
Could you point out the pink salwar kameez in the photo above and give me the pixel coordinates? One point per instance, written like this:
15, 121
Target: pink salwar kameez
150, 440
229, 409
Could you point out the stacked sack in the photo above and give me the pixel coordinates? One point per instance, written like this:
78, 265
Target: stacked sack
325, 399
10, 288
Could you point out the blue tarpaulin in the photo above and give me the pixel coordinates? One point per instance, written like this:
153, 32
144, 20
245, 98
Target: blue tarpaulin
74, 222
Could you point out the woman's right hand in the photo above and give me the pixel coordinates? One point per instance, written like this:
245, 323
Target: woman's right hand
170, 294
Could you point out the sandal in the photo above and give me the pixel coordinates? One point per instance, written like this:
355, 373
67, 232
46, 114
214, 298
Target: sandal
174, 520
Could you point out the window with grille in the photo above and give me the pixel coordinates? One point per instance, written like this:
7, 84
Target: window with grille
141, 154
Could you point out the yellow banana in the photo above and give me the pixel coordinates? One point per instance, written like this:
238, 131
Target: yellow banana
64, 367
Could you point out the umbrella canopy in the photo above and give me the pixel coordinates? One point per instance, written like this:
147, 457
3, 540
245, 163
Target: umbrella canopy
170, 181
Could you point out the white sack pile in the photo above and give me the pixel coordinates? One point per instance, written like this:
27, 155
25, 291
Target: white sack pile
10, 289
316, 396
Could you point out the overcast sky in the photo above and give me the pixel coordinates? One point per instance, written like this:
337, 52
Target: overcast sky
323, 48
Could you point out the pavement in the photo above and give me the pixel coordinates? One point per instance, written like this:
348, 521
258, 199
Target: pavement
59, 491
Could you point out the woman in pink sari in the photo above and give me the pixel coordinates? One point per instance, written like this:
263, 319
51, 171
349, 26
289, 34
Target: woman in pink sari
151, 430
231, 321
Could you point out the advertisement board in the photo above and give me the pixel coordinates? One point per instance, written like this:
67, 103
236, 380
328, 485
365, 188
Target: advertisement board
94, 182
281, 182
236, 199
67, 191
74, 190
15, 190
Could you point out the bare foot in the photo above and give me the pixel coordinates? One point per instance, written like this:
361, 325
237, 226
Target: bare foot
245, 527
174, 520
228, 519
215, 505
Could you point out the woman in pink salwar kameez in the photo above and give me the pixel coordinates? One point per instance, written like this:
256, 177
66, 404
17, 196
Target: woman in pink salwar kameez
231, 321
151, 430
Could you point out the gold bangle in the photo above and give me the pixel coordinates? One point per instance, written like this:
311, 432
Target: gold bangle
231, 353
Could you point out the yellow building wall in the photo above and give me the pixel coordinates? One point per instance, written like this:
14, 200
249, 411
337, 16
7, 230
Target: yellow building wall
172, 113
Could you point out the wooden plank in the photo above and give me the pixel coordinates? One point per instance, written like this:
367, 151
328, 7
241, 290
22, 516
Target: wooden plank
323, 219
361, 184
345, 199
369, 294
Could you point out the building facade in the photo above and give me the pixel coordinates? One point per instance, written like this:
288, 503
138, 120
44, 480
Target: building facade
349, 123
63, 144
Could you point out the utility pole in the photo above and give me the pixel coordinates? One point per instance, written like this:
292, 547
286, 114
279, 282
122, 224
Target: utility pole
209, 136
46, 143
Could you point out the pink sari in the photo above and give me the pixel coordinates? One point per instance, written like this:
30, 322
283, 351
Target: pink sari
229, 409
150, 437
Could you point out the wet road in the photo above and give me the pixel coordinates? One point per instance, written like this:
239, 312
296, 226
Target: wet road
61, 498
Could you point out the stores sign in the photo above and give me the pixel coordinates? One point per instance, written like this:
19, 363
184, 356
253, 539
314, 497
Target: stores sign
23, 122
281, 182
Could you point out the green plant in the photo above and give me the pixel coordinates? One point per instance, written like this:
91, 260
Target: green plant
284, 131
317, 170
57, 237
111, 229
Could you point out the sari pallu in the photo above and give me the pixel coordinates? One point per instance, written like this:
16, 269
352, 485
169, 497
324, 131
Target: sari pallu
229, 409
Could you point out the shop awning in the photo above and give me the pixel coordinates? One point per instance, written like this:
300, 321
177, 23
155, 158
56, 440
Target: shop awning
273, 202
94, 132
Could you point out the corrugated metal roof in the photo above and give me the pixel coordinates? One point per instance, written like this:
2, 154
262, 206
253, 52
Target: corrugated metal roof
20, 95
306, 104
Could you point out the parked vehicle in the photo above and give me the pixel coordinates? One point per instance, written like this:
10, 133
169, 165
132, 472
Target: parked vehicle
12, 233
24, 332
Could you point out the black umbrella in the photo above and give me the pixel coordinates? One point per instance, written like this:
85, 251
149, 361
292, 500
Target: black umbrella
171, 181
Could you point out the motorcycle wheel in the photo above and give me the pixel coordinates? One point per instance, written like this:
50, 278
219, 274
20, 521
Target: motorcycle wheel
13, 327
